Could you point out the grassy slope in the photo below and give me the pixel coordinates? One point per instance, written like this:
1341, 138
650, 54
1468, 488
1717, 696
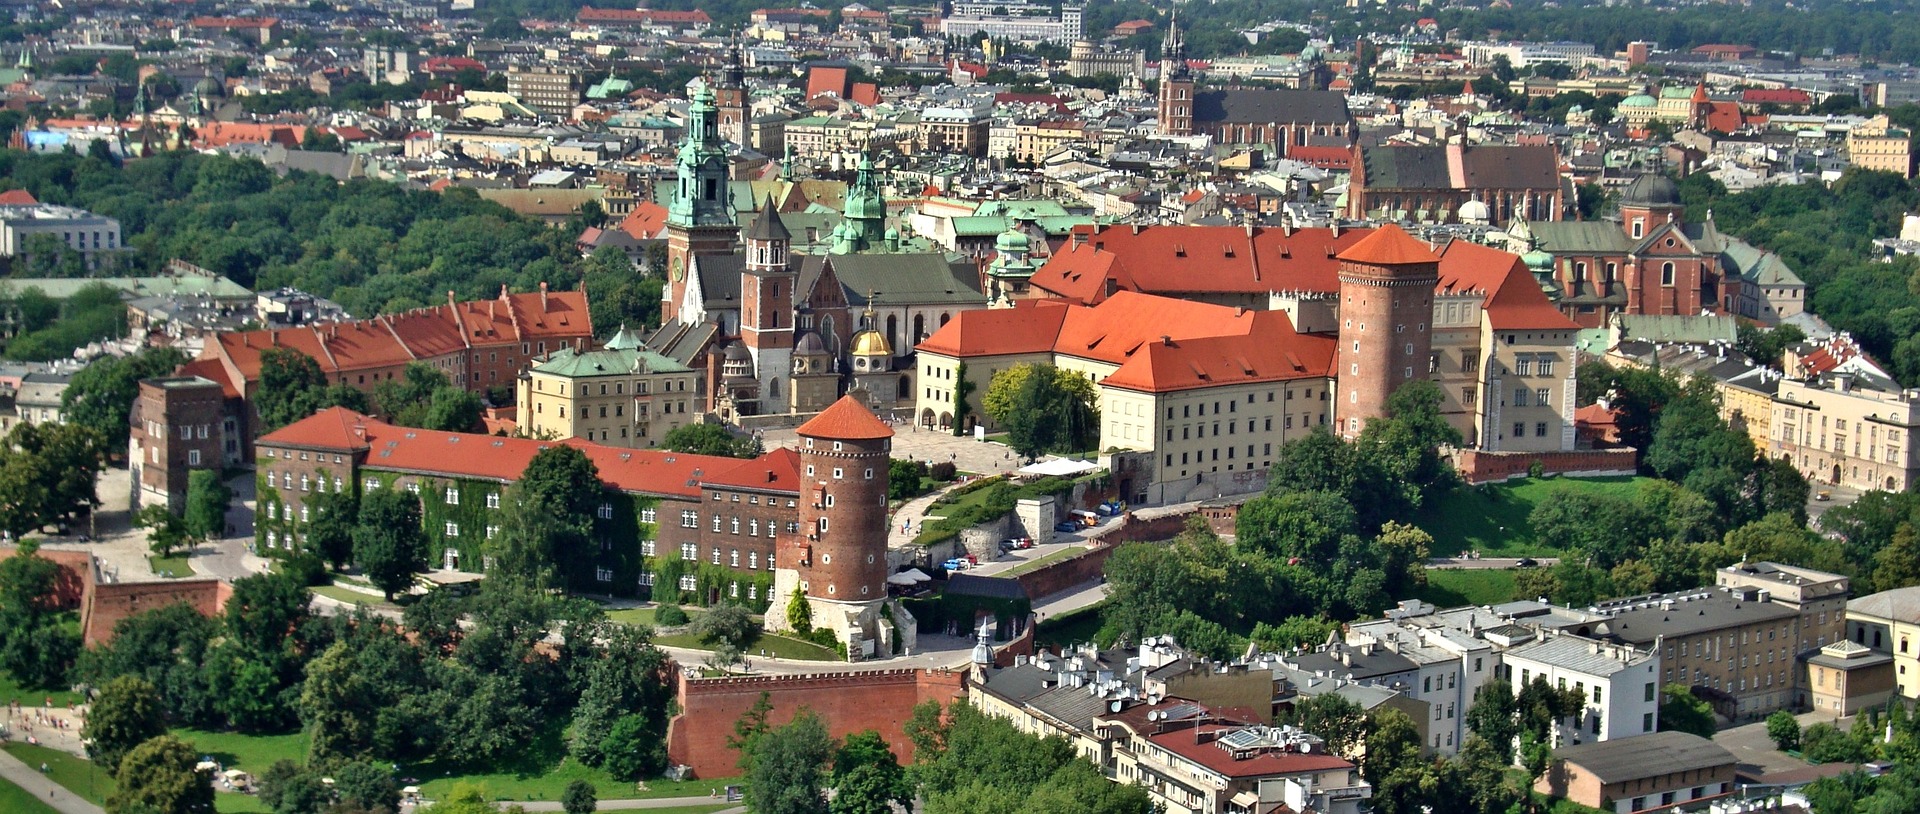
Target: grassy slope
16, 800
249, 753
1452, 588
67, 770
1493, 519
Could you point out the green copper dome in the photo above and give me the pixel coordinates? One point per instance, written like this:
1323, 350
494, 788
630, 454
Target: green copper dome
1012, 241
1537, 260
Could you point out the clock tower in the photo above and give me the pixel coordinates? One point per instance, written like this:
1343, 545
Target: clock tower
700, 216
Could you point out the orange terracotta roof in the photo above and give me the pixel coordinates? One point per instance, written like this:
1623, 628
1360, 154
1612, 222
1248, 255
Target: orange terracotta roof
1030, 326
487, 457
17, 197
211, 369
776, 471
1175, 260
647, 221
1514, 301
846, 420
1269, 351
1389, 245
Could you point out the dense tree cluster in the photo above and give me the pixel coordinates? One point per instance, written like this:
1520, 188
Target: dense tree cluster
47, 475
368, 245
52, 329
1324, 542
710, 439
1043, 409
1892, 735
36, 646
973, 763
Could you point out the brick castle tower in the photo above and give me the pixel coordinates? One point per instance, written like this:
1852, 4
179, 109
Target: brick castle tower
838, 563
1386, 301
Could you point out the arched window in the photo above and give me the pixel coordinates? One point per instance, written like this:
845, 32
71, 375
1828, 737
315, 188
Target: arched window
1666, 274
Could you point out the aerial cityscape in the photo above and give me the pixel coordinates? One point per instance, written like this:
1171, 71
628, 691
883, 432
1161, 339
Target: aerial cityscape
1105, 406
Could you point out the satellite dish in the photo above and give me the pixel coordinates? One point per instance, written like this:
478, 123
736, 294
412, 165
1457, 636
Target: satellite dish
1115, 705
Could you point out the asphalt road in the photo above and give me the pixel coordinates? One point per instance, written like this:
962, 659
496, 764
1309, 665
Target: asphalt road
1487, 563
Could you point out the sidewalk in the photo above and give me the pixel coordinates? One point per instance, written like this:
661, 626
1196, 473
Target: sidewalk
38, 785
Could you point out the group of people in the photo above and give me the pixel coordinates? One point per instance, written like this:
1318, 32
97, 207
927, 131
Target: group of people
26, 718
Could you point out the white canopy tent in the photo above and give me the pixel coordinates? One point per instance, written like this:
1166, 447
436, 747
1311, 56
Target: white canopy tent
1059, 468
911, 576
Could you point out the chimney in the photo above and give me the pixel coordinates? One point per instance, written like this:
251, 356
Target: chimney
543, 296
771, 477
452, 301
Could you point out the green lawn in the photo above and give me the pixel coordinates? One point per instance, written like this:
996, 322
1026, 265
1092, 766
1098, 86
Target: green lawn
1453, 587
77, 775
350, 596
11, 690
19, 801
950, 504
1492, 519
551, 783
1069, 629
776, 646
174, 566
228, 802
248, 753
645, 616
1042, 562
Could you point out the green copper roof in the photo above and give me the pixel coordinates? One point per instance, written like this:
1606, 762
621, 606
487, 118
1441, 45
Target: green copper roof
568, 364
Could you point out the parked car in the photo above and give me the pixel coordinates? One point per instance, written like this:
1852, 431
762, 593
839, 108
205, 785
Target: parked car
1527, 562
1824, 494
957, 564
1016, 543
1069, 528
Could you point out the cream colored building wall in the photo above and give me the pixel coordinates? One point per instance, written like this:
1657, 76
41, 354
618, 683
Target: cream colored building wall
633, 411
1457, 361
1540, 363
1865, 437
938, 374
1232, 428
1898, 638
1751, 409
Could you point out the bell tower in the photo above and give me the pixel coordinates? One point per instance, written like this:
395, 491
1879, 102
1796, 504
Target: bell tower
1176, 83
837, 567
767, 293
1386, 301
730, 97
700, 216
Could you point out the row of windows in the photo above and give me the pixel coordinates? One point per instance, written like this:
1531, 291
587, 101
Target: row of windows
691, 551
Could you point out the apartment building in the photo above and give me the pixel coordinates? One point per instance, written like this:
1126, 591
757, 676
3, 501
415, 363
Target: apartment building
1658, 771
1191, 764
1732, 645
1038, 139
624, 396
1437, 665
1847, 429
93, 236
1889, 622
1876, 144
549, 89
1621, 684
955, 129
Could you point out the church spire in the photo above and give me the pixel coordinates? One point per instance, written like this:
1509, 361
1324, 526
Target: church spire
1173, 53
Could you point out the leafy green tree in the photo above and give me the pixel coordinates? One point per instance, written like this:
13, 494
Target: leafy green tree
34, 646
1292, 632
100, 396
630, 680
903, 478
634, 748
329, 534
159, 775
166, 531
1784, 730
1494, 716
707, 439
1682, 711
1338, 721
207, 499
388, 542
126, 714
867, 778
547, 521
169, 647
787, 770
286, 787
752, 725
366, 785
1305, 526
579, 798
292, 387
724, 623
1052, 410
1401, 778
452, 409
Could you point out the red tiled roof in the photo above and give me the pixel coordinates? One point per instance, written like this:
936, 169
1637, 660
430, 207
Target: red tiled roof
776, 471
1030, 326
647, 221
1266, 764
17, 197
1389, 245
1725, 116
589, 14
452, 64
1176, 260
1270, 350
1326, 158
487, 457
865, 93
1778, 96
826, 80
846, 420
1514, 301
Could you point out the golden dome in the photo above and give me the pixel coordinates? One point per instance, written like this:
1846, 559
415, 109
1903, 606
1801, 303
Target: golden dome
871, 343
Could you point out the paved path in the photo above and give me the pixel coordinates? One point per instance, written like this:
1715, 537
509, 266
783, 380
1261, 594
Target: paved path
1070, 600
1487, 563
632, 805
41, 786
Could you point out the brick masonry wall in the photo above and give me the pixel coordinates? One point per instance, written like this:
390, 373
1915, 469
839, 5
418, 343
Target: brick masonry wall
109, 603
1491, 467
1086, 567
70, 587
880, 700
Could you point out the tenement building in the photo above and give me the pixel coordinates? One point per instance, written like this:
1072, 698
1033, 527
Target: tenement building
622, 395
1278, 119
1848, 428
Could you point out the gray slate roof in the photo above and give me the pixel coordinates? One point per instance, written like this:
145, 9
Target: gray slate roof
1643, 756
900, 279
1899, 604
1268, 106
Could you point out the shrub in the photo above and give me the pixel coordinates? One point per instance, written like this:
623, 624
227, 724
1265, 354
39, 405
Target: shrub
670, 615
943, 471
